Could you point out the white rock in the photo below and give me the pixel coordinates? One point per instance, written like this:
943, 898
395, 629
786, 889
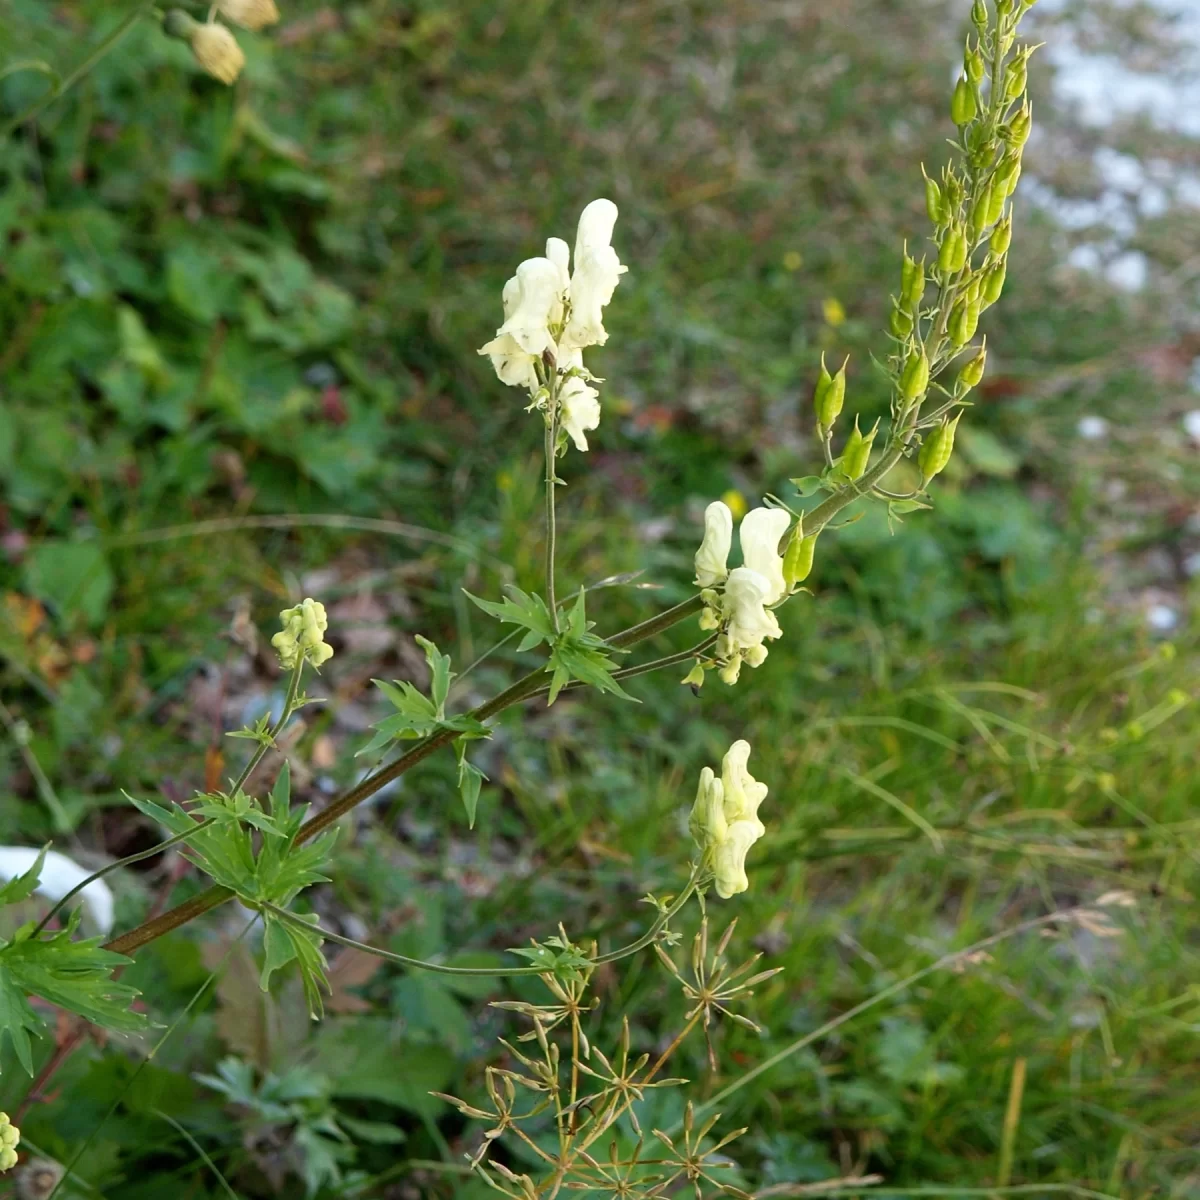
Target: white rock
59, 875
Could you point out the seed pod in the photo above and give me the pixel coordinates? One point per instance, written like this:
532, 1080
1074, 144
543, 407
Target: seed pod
798, 557
996, 207
900, 322
1016, 75
914, 378
1016, 132
983, 206
912, 284
971, 372
962, 103
829, 395
935, 203
936, 451
1001, 237
964, 320
979, 17
973, 64
857, 452
952, 256
993, 281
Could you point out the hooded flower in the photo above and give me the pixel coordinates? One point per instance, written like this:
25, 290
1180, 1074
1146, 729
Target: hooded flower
217, 51
597, 272
10, 1138
713, 554
579, 409
748, 621
724, 821
303, 635
759, 533
249, 14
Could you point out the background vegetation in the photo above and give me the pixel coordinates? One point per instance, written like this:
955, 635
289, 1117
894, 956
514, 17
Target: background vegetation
237, 367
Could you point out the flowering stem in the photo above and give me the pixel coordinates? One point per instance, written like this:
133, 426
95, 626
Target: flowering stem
65, 84
551, 522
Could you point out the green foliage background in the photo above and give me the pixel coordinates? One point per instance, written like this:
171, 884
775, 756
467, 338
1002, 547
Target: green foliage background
223, 305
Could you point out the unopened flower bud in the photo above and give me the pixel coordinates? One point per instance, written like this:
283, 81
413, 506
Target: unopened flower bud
952, 256
829, 395
900, 322
249, 14
798, 558
214, 47
993, 281
912, 284
708, 619
935, 203
971, 372
962, 103
857, 452
936, 451
979, 17
1001, 237
10, 1137
1016, 132
914, 378
303, 635
973, 64
695, 677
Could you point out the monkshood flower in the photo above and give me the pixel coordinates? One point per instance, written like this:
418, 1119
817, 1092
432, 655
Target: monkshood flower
724, 822
552, 312
737, 602
303, 635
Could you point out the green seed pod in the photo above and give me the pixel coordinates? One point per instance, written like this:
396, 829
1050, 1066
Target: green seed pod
973, 64
982, 207
912, 284
900, 322
979, 17
993, 281
1001, 237
857, 452
936, 451
952, 256
971, 372
914, 378
1017, 131
935, 204
798, 557
964, 320
1016, 76
829, 395
996, 207
962, 103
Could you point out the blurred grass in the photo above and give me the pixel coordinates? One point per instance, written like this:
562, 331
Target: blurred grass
224, 304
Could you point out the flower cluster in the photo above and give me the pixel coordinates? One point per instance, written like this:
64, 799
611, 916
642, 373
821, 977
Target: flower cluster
738, 602
724, 823
552, 313
214, 46
303, 635
10, 1137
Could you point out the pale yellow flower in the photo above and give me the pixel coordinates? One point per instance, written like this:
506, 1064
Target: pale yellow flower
249, 14
303, 635
217, 51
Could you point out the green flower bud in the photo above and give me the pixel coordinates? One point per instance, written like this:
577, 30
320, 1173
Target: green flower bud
900, 322
979, 17
1016, 76
993, 281
971, 372
952, 256
1001, 237
912, 284
10, 1138
936, 451
914, 378
798, 557
828, 395
935, 204
857, 452
962, 103
1017, 131
973, 64
695, 677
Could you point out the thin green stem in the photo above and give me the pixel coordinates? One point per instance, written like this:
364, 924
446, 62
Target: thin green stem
65, 84
551, 441
17, 730
289, 707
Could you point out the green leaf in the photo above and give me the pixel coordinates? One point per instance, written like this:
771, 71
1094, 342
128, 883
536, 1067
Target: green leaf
17, 1020
439, 673
588, 666
906, 506
23, 886
377, 1133
470, 780
521, 608
72, 576
807, 485
283, 941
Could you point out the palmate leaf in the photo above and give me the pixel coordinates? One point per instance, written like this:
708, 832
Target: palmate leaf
74, 974
21, 887
521, 608
580, 654
285, 941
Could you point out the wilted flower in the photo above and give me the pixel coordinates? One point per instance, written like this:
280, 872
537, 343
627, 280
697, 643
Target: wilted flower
303, 635
724, 821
